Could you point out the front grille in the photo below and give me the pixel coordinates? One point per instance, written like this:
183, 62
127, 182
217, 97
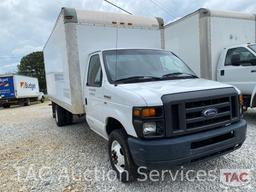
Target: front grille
195, 118
185, 113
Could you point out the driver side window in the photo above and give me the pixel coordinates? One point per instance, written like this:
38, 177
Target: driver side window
239, 56
94, 77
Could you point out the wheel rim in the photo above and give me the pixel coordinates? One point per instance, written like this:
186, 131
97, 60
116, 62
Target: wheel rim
117, 156
56, 115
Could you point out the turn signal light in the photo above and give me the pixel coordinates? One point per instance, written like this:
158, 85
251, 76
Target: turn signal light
144, 112
241, 99
136, 112
149, 112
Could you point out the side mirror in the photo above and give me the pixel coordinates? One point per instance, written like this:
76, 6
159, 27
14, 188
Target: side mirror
235, 60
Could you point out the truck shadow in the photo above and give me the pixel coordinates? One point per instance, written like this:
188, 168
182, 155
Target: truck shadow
250, 116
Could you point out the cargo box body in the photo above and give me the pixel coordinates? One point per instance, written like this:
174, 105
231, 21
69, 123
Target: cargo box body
18, 87
79, 33
200, 37
7, 87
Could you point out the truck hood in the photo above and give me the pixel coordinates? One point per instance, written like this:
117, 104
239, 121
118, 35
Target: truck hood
152, 92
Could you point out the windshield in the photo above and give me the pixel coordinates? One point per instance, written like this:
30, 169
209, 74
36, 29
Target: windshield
253, 47
144, 65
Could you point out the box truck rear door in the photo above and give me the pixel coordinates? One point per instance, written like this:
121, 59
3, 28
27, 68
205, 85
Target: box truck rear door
6, 87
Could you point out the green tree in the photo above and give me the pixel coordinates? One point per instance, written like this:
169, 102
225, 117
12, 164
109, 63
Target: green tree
33, 65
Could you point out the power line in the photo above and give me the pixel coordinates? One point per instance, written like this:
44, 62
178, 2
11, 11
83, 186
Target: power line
162, 8
117, 7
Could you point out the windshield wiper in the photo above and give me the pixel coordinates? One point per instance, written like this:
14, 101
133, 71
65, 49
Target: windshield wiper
146, 78
137, 78
179, 74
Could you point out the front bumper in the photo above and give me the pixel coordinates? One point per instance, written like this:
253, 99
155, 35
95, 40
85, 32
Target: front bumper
166, 153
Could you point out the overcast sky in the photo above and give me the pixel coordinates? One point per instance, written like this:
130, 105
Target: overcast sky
25, 25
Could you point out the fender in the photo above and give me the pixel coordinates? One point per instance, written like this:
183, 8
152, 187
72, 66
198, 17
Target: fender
253, 98
40, 96
124, 119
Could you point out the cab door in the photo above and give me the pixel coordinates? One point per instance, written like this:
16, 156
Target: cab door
239, 69
94, 95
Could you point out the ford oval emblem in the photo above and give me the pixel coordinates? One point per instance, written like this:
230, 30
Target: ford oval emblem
210, 113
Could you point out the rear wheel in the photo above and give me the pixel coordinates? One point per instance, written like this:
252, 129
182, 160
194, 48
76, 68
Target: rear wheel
27, 102
6, 105
69, 118
120, 157
59, 116
62, 116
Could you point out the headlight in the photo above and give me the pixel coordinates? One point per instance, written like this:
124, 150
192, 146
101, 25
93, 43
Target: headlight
149, 122
149, 128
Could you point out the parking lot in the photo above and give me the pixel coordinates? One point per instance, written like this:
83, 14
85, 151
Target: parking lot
36, 155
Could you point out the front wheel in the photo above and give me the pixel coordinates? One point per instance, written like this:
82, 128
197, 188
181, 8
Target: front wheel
120, 157
42, 100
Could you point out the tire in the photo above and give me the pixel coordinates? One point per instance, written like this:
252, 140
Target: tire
69, 117
62, 116
42, 100
27, 102
125, 169
6, 105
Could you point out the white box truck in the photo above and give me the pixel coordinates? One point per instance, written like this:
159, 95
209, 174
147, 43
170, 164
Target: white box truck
18, 89
218, 45
153, 110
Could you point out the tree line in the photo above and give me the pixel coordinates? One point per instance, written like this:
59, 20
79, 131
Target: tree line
33, 65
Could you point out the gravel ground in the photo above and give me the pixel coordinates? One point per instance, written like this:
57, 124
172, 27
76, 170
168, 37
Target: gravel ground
36, 155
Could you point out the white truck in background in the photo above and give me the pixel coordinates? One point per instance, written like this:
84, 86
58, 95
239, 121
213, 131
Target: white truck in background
19, 89
153, 110
218, 45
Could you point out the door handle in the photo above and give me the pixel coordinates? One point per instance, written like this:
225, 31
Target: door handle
253, 71
222, 72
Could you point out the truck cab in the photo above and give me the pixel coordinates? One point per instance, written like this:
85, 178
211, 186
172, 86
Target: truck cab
237, 66
155, 112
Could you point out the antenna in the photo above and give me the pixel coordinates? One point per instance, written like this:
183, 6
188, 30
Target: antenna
117, 7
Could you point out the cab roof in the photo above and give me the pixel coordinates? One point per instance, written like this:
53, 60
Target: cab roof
113, 49
240, 45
